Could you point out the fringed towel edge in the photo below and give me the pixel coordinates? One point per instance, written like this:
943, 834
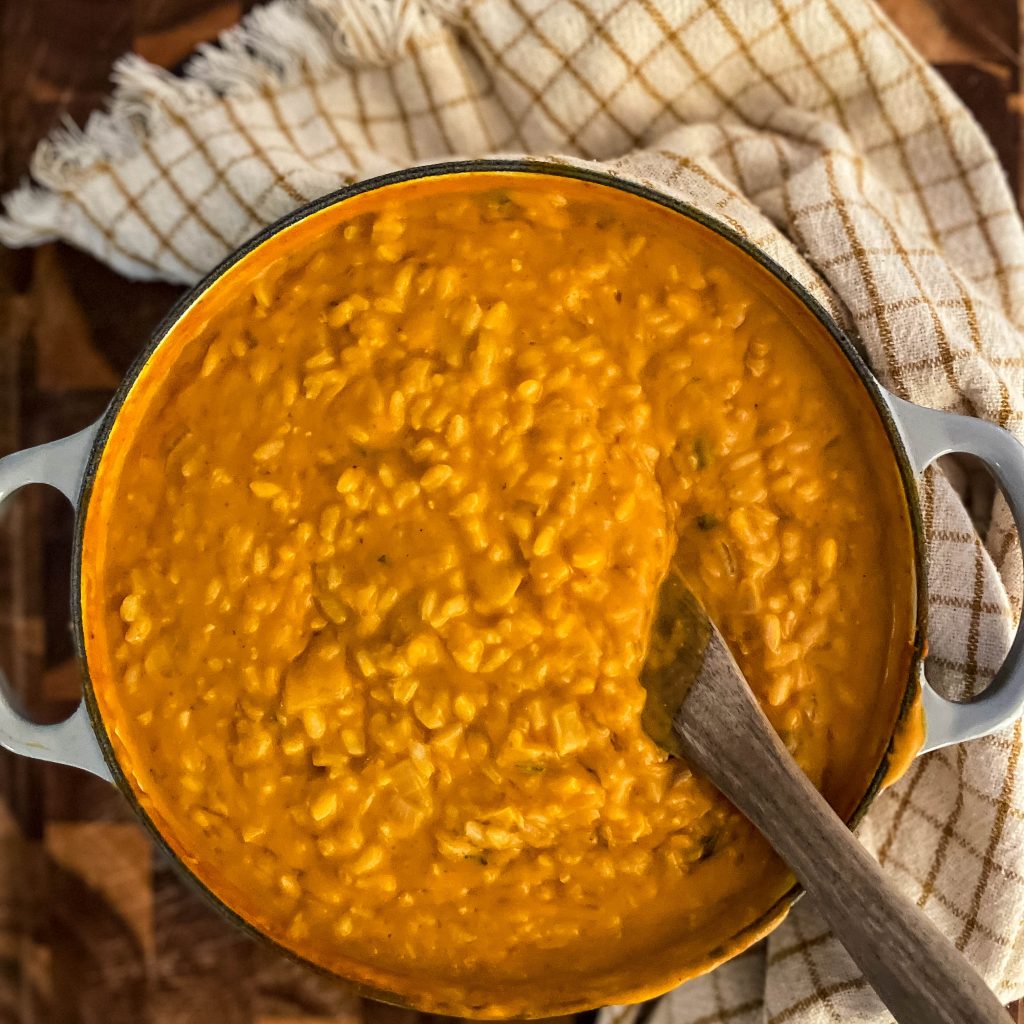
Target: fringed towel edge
272, 46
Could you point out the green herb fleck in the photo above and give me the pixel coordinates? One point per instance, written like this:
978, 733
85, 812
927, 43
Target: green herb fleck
708, 845
701, 453
499, 205
706, 521
531, 767
478, 857
729, 558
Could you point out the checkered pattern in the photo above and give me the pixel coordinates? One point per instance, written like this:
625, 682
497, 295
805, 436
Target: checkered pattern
810, 127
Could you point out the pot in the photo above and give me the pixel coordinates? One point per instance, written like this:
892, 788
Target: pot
917, 437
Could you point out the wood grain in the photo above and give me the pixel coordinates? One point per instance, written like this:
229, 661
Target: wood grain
55, 58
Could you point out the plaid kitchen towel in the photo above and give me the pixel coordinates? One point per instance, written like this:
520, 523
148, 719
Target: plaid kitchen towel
810, 127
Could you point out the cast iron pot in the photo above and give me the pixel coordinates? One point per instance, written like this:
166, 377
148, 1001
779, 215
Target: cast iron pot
917, 437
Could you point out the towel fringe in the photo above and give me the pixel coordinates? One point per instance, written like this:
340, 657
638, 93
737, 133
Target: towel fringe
30, 217
371, 33
273, 45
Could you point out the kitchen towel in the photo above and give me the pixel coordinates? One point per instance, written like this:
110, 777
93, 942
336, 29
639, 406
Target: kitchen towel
808, 126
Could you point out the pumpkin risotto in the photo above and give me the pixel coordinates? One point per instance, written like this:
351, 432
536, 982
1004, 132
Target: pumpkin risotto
377, 539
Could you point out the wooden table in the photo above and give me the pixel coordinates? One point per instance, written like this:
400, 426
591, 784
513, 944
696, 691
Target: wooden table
94, 925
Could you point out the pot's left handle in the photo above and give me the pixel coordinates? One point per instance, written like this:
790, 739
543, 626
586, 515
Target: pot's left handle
929, 434
60, 464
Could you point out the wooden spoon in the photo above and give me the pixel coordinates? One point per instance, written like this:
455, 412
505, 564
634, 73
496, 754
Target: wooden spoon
700, 706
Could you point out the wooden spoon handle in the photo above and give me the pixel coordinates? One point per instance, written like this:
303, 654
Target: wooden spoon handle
916, 971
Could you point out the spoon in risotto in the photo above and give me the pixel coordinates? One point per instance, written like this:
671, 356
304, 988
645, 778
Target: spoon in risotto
700, 707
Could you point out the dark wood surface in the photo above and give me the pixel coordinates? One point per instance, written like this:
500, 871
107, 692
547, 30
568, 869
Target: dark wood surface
93, 925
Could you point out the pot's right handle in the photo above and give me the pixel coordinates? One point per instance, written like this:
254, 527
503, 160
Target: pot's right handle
928, 434
59, 464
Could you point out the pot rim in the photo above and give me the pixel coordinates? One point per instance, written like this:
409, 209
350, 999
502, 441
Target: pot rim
751, 932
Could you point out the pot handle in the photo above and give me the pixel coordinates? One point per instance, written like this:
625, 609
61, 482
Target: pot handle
60, 464
928, 434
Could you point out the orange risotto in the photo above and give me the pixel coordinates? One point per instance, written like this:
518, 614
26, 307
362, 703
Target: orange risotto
376, 542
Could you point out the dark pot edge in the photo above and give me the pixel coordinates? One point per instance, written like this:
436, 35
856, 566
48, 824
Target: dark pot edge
775, 913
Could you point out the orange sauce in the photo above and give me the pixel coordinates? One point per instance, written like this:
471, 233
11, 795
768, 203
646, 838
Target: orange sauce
373, 553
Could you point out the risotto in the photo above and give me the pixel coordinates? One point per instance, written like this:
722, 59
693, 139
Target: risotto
377, 541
